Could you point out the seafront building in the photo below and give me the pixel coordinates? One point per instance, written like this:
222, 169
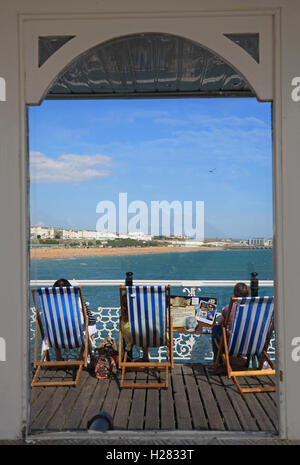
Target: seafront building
257, 241
44, 232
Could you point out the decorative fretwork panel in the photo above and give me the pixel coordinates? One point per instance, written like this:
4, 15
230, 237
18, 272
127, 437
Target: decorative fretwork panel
188, 348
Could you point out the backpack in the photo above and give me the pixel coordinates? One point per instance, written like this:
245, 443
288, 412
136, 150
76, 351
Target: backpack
105, 359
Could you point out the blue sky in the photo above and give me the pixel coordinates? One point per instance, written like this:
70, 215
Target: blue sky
83, 152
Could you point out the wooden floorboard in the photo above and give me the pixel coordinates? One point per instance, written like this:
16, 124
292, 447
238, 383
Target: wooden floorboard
137, 412
167, 412
196, 399
182, 411
124, 405
214, 418
198, 417
228, 414
245, 417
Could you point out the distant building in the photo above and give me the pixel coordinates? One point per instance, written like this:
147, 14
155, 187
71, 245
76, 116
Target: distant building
269, 243
41, 232
257, 241
193, 243
44, 232
138, 236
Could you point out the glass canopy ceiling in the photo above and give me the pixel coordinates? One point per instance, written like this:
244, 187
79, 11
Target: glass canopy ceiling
148, 64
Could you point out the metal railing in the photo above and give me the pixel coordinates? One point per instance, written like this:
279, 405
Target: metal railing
173, 282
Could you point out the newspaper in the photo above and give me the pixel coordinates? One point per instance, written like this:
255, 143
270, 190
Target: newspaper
179, 314
203, 308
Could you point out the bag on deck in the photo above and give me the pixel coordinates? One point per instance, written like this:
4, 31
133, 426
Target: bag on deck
106, 359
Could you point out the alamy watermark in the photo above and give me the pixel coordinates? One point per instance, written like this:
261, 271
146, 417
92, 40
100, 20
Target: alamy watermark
2, 90
295, 354
159, 218
2, 350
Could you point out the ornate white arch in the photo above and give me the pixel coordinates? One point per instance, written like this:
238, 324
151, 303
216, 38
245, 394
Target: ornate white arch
207, 30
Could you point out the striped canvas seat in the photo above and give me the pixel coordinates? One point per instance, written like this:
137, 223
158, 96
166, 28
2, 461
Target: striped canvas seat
63, 317
147, 315
150, 325
63, 324
251, 325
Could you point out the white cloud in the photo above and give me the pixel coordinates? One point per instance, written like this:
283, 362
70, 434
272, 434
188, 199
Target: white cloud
70, 168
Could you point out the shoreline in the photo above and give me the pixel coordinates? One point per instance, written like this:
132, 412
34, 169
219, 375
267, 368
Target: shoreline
39, 253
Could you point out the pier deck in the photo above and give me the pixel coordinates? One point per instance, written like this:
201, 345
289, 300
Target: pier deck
196, 399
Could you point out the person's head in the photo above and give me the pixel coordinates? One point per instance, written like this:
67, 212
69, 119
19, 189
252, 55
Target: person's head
61, 283
241, 290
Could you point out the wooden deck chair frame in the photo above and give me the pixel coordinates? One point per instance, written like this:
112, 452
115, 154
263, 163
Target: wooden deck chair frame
223, 354
45, 357
166, 366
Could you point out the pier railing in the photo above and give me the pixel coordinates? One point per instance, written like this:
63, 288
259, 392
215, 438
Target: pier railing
173, 282
188, 348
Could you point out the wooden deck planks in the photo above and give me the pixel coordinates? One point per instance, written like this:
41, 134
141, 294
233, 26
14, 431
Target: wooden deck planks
81, 403
245, 417
227, 412
262, 406
124, 405
46, 401
57, 422
167, 412
199, 420
152, 420
215, 421
195, 400
96, 402
137, 412
182, 411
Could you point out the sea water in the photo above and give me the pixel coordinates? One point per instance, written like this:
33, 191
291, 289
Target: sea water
200, 265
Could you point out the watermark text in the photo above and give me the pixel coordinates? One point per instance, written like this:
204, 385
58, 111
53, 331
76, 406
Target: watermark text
159, 218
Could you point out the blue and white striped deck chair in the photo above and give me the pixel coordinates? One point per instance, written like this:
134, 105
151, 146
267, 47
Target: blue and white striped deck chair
252, 328
150, 325
63, 325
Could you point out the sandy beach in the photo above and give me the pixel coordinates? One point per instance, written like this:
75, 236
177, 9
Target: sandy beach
56, 252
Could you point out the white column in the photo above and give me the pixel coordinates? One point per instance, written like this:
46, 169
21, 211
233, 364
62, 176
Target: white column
13, 211
287, 209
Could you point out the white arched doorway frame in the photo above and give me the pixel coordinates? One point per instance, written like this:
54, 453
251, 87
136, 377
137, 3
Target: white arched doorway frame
205, 29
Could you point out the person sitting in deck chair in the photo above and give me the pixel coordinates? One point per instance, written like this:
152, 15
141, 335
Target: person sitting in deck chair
91, 319
125, 330
239, 290
62, 323
146, 321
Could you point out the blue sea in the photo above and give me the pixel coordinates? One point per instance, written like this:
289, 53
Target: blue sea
215, 265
